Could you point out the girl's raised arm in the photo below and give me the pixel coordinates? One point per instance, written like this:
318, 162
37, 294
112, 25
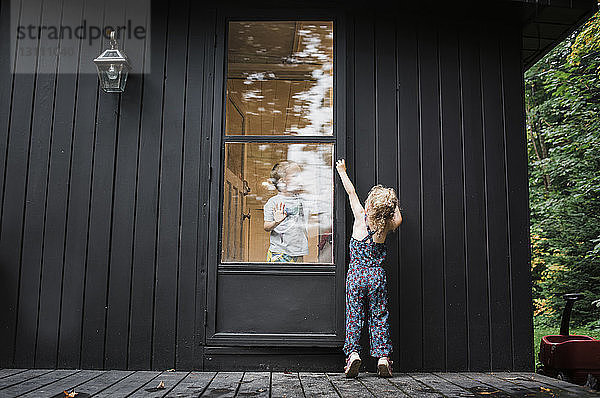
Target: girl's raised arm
357, 208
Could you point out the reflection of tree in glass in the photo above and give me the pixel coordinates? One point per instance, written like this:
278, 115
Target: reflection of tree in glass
315, 180
313, 100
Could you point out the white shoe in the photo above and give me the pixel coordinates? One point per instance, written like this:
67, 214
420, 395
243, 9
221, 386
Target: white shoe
384, 367
352, 365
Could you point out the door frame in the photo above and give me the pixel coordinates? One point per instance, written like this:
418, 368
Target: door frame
224, 15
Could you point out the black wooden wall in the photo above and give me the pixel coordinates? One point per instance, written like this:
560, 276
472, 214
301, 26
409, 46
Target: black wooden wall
104, 207
447, 113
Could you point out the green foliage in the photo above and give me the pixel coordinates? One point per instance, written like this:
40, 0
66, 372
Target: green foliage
562, 94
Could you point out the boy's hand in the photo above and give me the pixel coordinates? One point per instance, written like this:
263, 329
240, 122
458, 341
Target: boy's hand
340, 165
279, 212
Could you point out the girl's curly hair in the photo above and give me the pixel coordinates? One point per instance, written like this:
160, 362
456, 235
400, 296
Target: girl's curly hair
381, 203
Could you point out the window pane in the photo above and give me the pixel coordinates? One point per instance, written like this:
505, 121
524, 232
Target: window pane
259, 177
279, 78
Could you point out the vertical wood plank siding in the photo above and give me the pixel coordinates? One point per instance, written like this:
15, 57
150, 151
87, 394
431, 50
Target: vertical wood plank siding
105, 197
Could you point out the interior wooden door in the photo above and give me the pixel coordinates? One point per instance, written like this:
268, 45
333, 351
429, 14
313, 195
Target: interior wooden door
235, 219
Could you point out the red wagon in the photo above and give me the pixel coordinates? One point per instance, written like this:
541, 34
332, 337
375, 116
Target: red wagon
573, 358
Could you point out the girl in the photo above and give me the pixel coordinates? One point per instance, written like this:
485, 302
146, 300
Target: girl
366, 276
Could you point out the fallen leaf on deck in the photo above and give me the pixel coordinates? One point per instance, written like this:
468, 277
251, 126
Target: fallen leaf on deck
160, 386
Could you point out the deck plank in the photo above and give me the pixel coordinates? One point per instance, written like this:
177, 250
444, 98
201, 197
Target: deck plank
447, 389
170, 379
224, 385
286, 385
9, 372
472, 385
513, 389
128, 385
380, 387
105, 380
21, 377
192, 385
317, 385
348, 387
67, 383
412, 387
551, 381
255, 384
536, 386
569, 390
35, 383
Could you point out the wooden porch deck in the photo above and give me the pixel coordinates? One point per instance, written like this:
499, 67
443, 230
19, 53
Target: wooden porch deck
41, 383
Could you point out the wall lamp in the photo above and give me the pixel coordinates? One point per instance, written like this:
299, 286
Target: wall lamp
113, 67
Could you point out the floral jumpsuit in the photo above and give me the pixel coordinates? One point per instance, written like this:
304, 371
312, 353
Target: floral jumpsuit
366, 279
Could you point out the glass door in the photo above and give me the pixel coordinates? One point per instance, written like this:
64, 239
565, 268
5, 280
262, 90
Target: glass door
276, 259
